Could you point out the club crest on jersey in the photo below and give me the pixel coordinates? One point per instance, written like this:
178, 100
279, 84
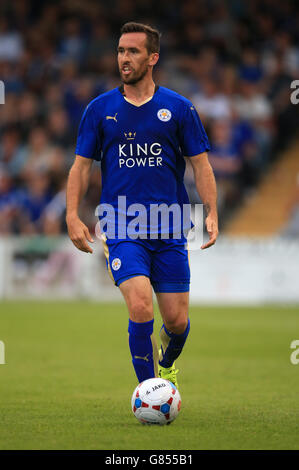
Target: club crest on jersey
164, 115
116, 264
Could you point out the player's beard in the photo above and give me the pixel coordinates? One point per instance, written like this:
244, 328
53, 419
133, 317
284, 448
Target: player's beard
136, 77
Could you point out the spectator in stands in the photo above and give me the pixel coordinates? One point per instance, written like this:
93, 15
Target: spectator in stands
11, 202
7, 202
28, 113
58, 127
37, 196
39, 152
11, 42
53, 217
226, 163
210, 102
251, 105
12, 152
72, 45
77, 96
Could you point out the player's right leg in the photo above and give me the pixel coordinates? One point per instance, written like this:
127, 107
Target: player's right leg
128, 263
137, 292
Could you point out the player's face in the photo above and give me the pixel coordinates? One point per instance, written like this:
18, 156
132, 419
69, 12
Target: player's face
134, 61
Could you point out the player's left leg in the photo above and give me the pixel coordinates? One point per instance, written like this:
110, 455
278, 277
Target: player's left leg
176, 325
171, 279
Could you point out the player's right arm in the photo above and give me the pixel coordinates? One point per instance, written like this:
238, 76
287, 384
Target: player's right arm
77, 184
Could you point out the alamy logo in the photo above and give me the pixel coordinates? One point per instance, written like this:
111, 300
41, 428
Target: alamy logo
147, 222
2, 352
2, 92
295, 94
294, 358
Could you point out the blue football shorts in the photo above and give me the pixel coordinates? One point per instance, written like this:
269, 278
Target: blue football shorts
164, 262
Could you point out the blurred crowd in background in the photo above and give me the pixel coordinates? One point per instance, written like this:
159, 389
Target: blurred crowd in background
235, 60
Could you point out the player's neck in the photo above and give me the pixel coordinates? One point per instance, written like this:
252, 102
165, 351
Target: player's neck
141, 91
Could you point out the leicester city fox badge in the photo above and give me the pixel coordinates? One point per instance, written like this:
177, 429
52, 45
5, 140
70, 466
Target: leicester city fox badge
116, 264
164, 115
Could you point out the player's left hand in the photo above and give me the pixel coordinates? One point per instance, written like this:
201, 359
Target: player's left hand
212, 229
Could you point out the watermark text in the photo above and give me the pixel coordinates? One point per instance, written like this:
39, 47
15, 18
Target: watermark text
295, 94
2, 92
294, 358
154, 221
2, 352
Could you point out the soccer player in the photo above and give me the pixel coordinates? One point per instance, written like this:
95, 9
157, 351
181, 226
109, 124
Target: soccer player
141, 132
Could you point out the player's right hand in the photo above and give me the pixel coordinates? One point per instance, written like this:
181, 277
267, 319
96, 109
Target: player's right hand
79, 234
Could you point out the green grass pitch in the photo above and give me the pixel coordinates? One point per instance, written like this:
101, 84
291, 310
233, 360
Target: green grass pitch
68, 379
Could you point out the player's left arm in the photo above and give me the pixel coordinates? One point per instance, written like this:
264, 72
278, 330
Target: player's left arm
207, 190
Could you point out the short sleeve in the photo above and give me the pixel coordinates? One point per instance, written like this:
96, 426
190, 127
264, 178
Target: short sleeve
193, 137
88, 140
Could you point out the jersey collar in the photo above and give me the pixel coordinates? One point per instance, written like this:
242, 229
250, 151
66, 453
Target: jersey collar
121, 89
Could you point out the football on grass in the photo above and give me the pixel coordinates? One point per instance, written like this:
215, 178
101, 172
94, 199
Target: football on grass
156, 401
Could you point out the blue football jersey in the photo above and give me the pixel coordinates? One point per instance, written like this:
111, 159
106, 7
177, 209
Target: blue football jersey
141, 149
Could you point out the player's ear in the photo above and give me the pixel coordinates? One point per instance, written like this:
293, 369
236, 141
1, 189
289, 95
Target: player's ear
154, 58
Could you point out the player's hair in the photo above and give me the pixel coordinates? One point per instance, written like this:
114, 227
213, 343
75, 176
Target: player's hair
152, 34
